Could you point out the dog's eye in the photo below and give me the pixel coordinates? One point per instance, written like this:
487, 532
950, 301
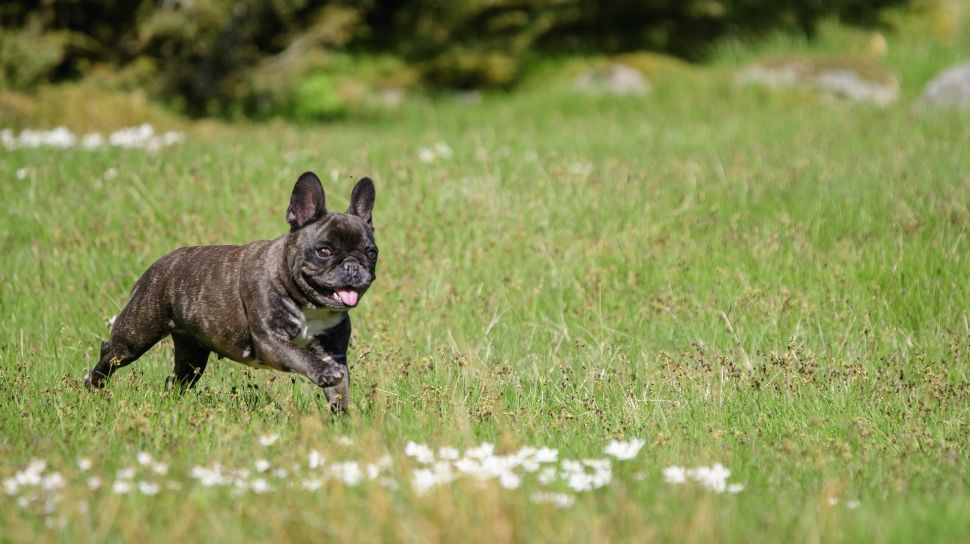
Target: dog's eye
371, 254
323, 252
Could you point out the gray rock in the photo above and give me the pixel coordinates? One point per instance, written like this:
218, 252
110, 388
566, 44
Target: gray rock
949, 90
857, 79
615, 79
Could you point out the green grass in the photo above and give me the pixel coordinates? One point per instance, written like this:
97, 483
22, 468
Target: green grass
580, 269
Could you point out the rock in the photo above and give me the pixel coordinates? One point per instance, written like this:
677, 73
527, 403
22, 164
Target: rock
615, 78
949, 90
857, 79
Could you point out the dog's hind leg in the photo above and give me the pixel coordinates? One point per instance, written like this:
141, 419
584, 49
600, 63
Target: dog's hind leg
137, 328
190, 360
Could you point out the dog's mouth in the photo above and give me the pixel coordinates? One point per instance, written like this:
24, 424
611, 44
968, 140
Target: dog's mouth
342, 297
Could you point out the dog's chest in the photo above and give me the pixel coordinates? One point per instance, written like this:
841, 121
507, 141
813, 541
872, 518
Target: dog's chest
313, 322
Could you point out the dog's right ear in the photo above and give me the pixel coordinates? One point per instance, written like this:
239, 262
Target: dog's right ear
306, 202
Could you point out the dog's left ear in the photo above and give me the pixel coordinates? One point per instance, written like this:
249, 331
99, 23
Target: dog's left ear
362, 200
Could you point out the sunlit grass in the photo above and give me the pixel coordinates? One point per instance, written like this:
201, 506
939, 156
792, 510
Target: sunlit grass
771, 282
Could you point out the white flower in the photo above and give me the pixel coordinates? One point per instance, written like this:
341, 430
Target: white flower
148, 488
94, 483
345, 441
559, 500
121, 487
481, 452
425, 155
126, 473
208, 477
442, 150
349, 472
268, 440
315, 459
52, 482
547, 475
713, 477
84, 464
448, 453
510, 480
92, 140
420, 452
160, 468
546, 455
624, 451
261, 465
852, 504
675, 475
735, 488
280, 473
144, 458
260, 486
311, 485
10, 486
22, 173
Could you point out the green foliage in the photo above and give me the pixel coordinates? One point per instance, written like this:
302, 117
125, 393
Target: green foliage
230, 58
577, 269
29, 56
318, 97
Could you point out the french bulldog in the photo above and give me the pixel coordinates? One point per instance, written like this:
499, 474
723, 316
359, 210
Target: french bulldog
281, 304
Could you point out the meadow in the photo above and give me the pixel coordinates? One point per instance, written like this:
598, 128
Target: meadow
770, 282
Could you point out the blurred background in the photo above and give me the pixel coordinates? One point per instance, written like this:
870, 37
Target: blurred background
124, 61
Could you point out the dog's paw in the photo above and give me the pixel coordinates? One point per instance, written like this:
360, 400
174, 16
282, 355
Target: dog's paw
92, 382
329, 375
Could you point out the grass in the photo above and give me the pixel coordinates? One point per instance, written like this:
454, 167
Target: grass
772, 281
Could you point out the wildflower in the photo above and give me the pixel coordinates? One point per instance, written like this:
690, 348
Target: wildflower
481, 452
345, 441
675, 475
92, 140
52, 482
148, 488
261, 465
160, 468
559, 500
624, 451
425, 155
547, 475
120, 487
260, 486
420, 452
349, 473
84, 464
450, 454
311, 485
144, 458
126, 473
315, 459
268, 440
509, 480
94, 483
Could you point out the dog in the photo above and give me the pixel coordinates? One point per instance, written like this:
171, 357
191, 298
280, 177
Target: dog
281, 304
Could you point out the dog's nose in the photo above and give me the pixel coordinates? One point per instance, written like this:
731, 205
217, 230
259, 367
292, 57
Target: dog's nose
354, 273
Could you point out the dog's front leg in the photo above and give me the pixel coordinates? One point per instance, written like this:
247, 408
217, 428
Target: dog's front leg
278, 352
338, 395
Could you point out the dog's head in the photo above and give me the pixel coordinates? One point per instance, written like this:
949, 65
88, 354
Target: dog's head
332, 257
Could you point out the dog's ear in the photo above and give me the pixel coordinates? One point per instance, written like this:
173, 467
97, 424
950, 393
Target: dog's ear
306, 202
362, 200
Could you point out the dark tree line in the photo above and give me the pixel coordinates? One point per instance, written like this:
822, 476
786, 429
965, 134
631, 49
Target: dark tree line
207, 54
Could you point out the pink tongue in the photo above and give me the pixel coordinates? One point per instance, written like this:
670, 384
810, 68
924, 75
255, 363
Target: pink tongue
348, 297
